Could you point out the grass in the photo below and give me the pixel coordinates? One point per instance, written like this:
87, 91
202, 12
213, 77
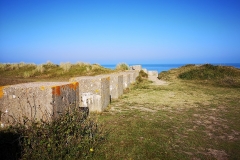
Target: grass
224, 76
122, 66
71, 136
21, 73
187, 119
183, 120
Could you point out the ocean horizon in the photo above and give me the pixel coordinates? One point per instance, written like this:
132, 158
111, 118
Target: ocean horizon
166, 67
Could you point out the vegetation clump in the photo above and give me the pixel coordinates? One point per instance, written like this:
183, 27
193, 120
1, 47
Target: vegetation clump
122, 67
209, 74
22, 72
219, 75
71, 136
142, 77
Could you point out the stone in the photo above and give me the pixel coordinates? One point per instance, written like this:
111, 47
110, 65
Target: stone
94, 92
36, 101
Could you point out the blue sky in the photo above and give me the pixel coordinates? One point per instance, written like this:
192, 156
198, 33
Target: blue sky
109, 32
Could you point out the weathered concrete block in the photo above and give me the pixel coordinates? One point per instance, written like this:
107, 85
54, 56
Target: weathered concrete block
94, 92
133, 75
153, 73
116, 85
136, 67
126, 79
36, 101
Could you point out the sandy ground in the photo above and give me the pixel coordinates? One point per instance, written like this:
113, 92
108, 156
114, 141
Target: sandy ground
156, 81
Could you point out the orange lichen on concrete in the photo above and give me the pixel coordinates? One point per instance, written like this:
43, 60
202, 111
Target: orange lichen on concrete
108, 78
56, 90
42, 88
1, 91
74, 85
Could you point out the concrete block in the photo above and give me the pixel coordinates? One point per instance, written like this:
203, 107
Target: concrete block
126, 79
116, 85
153, 73
136, 67
133, 75
36, 101
94, 92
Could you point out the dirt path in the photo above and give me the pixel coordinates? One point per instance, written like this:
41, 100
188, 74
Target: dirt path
156, 81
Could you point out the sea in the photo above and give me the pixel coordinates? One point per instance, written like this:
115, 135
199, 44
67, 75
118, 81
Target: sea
166, 67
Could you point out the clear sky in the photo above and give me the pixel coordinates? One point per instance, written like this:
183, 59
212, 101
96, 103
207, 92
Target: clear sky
109, 32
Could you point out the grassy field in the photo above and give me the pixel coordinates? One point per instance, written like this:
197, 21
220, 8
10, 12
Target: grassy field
23, 72
195, 118
182, 120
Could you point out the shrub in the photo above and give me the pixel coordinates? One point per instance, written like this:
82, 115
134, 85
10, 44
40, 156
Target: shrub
209, 72
96, 67
49, 63
143, 74
3, 66
71, 136
142, 77
218, 75
66, 66
27, 65
83, 64
40, 68
122, 67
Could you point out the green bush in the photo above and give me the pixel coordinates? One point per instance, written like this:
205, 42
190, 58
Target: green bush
71, 136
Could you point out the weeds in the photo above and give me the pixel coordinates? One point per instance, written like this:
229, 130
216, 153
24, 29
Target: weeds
66, 66
47, 71
71, 136
40, 68
210, 72
122, 67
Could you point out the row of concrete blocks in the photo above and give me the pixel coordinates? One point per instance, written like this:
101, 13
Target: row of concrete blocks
139, 68
47, 100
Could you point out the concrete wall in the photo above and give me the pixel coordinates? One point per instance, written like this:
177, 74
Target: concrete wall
35, 101
136, 67
126, 79
133, 75
116, 85
94, 92
48, 100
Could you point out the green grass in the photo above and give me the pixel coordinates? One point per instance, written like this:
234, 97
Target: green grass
183, 120
178, 121
223, 76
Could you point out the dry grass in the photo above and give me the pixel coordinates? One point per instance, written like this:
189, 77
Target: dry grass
66, 66
21, 73
122, 67
40, 68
